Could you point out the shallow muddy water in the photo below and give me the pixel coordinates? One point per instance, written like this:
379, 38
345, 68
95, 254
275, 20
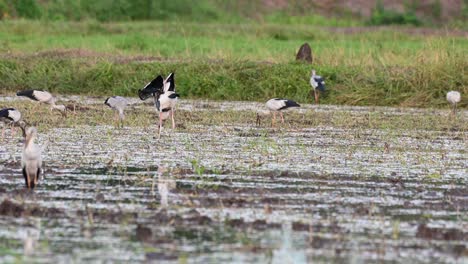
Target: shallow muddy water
239, 193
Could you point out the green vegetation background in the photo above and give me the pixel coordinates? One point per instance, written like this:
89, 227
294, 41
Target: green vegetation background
223, 50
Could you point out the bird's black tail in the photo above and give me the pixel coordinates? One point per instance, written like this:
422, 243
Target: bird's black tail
27, 93
291, 103
321, 87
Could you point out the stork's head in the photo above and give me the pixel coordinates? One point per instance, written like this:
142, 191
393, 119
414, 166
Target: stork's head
313, 72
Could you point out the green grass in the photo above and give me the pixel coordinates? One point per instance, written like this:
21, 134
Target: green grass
233, 61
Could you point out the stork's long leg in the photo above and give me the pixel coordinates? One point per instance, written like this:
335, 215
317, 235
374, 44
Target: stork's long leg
3, 133
38, 173
273, 119
316, 95
116, 119
26, 177
172, 117
282, 117
160, 125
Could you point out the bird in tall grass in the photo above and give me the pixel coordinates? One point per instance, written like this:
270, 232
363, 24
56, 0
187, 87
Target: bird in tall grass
10, 116
118, 103
276, 105
318, 85
31, 160
43, 97
164, 95
453, 97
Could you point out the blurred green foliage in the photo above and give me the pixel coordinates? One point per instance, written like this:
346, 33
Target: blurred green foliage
382, 16
223, 11
111, 10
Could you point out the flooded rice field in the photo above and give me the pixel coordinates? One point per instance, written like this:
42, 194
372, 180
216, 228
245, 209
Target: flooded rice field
235, 192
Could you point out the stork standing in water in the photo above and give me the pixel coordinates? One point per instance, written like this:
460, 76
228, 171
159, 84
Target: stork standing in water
31, 161
119, 104
276, 105
453, 97
165, 97
43, 97
11, 116
318, 84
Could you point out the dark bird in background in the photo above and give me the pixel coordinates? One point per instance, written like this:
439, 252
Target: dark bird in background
31, 161
276, 105
119, 104
43, 97
318, 85
12, 117
164, 95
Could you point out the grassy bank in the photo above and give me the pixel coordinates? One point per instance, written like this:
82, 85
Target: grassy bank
388, 66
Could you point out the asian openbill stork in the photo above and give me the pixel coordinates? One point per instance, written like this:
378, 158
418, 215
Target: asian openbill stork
43, 97
164, 95
10, 116
31, 161
453, 97
318, 85
276, 105
118, 103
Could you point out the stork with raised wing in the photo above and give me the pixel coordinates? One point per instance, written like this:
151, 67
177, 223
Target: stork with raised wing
318, 85
43, 97
165, 97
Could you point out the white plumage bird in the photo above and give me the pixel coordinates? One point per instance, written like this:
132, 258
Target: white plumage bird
43, 97
10, 116
164, 95
31, 161
318, 84
276, 105
118, 103
454, 97
167, 101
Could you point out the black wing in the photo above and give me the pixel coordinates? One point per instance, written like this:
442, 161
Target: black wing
289, 103
6, 113
321, 83
151, 88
